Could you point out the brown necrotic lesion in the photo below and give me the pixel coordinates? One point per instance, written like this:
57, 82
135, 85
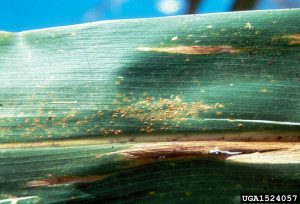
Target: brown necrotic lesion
192, 50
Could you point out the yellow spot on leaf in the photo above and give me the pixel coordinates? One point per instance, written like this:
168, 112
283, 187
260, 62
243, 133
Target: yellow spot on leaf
248, 26
151, 193
174, 38
264, 90
188, 194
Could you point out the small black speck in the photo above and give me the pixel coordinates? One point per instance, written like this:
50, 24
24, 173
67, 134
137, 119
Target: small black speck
50, 118
271, 62
0, 104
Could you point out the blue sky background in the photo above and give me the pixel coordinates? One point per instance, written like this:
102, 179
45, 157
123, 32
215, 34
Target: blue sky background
18, 15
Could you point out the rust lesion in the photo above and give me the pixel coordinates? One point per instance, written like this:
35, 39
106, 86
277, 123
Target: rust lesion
164, 109
158, 110
192, 50
63, 180
293, 39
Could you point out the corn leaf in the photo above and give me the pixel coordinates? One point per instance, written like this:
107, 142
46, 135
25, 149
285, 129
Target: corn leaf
197, 108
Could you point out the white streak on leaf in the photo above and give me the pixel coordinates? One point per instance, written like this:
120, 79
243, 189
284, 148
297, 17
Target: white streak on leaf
64, 102
254, 121
15, 200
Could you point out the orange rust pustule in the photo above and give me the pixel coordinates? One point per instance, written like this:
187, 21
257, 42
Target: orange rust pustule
63, 180
193, 50
165, 111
